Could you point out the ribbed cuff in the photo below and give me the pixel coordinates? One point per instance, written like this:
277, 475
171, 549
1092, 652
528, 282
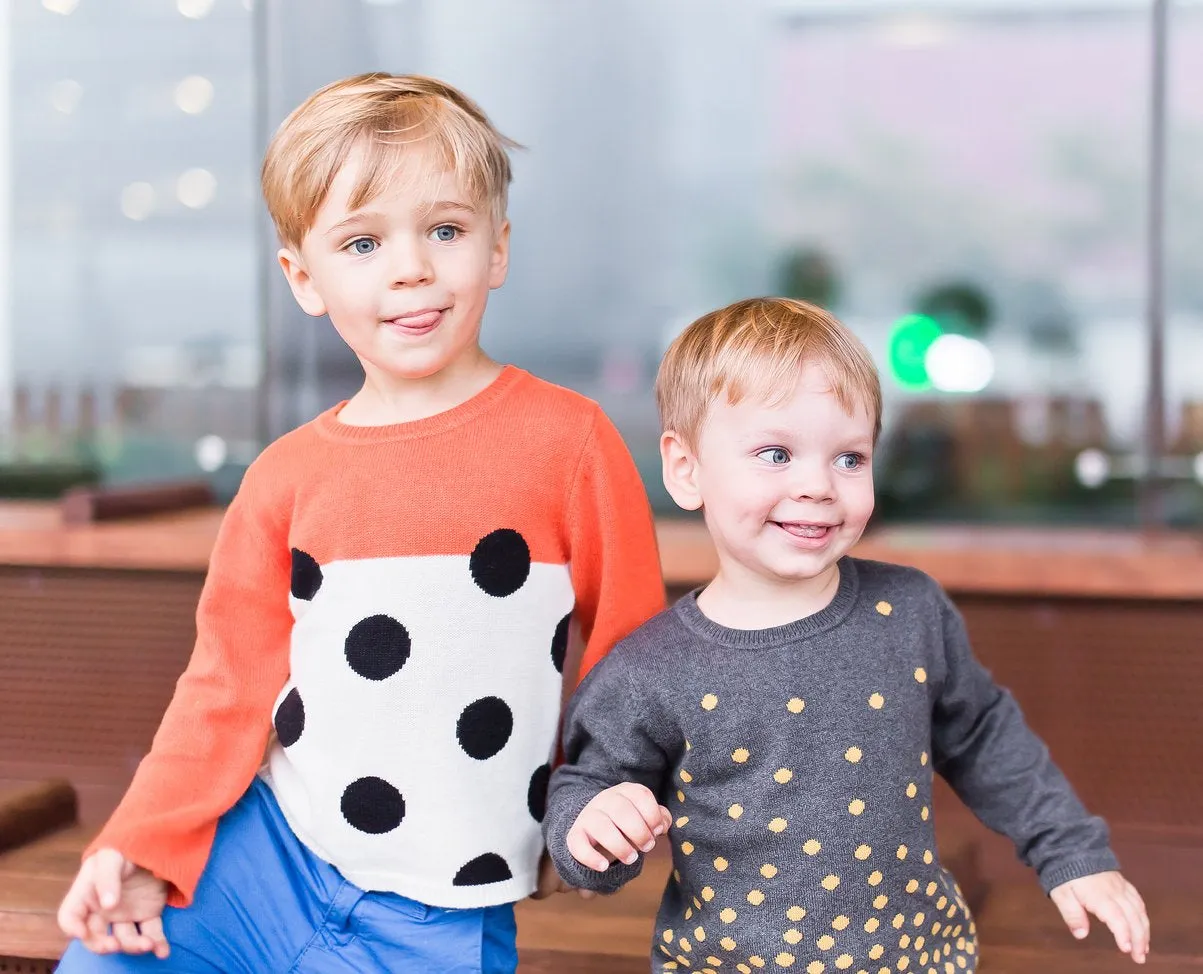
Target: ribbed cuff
566, 810
1065, 871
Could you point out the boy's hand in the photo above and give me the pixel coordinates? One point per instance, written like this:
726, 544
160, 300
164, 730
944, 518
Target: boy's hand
622, 821
111, 890
1113, 900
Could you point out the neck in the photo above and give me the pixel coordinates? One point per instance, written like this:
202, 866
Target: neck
740, 599
388, 399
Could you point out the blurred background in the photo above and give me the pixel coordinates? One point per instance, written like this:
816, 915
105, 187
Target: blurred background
966, 182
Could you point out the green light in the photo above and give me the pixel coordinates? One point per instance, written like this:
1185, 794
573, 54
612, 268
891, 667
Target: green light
910, 339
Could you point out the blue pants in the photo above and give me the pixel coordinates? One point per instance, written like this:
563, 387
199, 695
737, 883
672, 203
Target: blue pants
266, 905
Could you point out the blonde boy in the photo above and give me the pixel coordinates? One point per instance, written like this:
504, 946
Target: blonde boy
788, 718
392, 593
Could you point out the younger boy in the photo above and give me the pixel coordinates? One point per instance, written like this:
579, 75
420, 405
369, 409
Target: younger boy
791, 714
392, 591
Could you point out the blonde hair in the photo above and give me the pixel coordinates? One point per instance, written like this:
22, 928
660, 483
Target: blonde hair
761, 345
388, 115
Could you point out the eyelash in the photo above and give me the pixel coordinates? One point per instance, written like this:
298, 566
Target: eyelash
859, 457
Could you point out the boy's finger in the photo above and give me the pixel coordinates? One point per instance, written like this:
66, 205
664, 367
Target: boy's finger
631, 823
646, 805
99, 940
106, 872
73, 911
1136, 929
581, 849
152, 930
128, 939
666, 819
1072, 912
1142, 913
607, 837
1112, 914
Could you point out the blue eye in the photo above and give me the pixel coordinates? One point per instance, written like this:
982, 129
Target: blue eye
854, 461
776, 455
446, 233
363, 246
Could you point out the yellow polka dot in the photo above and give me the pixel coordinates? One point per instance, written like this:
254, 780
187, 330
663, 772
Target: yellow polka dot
682, 821
670, 965
920, 675
919, 942
740, 755
881, 902
902, 851
756, 961
688, 746
876, 951
784, 960
918, 919
778, 825
707, 893
903, 963
898, 921
687, 848
709, 702
825, 942
840, 923
816, 967
871, 926
743, 969
783, 776
856, 806
925, 813
843, 962
684, 961
812, 847
697, 904
677, 875
927, 856
686, 776
941, 902
668, 936
795, 913
792, 936
728, 915
755, 897
935, 929
884, 608
830, 882
911, 790
796, 705
680, 795
875, 878
714, 961
877, 701
768, 870
735, 811
863, 852
912, 886
923, 759
727, 943
721, 864
699, 934
685, 945
689, 913
931, 889
904, 941
853, 755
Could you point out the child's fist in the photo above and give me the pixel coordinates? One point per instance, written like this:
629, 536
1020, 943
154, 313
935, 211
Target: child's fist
115, 905
1113, 900
619, 823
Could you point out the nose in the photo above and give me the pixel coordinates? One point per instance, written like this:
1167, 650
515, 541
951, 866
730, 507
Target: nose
812, 482
410, 264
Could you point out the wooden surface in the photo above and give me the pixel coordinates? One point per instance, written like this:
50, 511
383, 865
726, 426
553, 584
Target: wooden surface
1001, 560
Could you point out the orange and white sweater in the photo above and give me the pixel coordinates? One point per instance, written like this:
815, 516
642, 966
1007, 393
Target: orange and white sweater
396, 603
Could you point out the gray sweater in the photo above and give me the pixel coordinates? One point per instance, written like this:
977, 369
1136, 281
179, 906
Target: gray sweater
797, 763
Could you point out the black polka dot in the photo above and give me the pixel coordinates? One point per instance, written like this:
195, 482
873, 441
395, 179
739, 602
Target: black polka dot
377, 647
290, 718
559, 643
372, 805
484, 727
306, 575
489, 868
500, 563
536, 794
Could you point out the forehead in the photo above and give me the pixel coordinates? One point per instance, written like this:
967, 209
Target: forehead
412, 180
810, 405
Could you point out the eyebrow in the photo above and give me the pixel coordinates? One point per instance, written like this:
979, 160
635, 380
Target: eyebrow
361, 217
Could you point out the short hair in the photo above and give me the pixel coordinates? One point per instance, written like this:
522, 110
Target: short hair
755, 346
389, 115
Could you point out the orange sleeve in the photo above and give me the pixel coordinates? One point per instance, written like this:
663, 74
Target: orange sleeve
213, 736
613, 554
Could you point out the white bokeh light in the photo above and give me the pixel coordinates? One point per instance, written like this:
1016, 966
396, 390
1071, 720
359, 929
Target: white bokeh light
194, 9
194, 94
138, 200
196, 188
65, 95
955, 363
63, 7
1092, 468
1199, 468
211, 452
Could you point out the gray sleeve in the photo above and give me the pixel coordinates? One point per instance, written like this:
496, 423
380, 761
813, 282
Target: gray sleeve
612, 734
984, 749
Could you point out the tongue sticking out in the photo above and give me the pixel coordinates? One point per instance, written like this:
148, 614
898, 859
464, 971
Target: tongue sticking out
805, 530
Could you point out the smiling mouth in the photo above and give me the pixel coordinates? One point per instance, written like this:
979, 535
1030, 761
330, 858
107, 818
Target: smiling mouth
418, 323
806, 530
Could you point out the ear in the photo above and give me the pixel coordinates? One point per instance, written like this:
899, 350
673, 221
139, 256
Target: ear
300, 282
499, 260
680, 471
